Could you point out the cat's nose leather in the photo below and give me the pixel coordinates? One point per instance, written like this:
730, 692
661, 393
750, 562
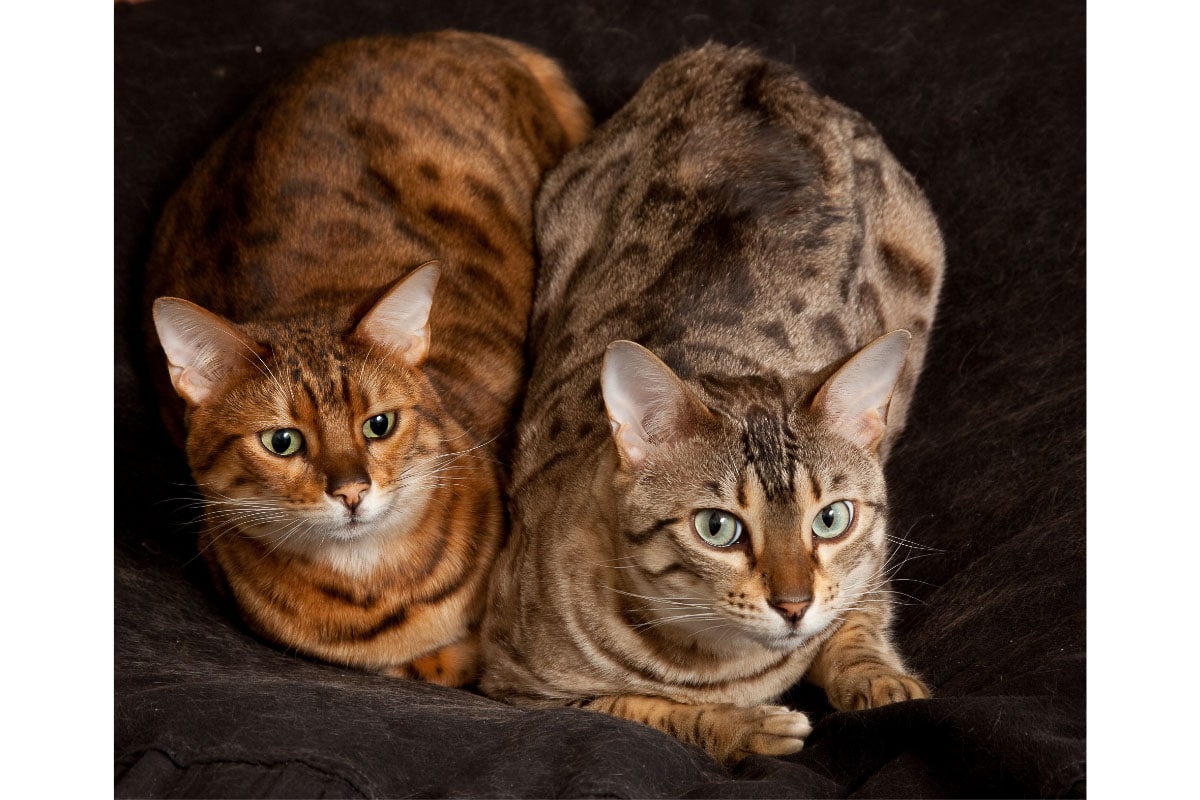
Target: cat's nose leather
792, 611
351, 494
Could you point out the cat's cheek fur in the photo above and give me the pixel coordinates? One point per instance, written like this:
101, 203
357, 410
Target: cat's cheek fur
824, 610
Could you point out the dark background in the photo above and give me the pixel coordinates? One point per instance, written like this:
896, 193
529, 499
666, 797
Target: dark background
984, 103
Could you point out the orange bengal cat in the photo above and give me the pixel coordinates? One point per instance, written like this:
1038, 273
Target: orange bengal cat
341, 289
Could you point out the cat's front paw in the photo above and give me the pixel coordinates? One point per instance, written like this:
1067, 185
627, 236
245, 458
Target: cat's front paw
871, 686
768, 731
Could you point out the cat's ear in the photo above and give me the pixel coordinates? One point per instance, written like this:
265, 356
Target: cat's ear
647, 403
855, 398
400, 320
202, 348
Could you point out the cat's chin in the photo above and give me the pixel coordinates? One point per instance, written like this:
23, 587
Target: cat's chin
316, 532
785, 642
348, 529
352, 530
354, 548
784, 638
384, 517
732, 641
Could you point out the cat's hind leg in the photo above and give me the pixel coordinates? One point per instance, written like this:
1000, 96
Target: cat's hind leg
453, 665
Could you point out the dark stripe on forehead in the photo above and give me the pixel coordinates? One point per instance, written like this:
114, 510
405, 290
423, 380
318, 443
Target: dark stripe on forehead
339, 383
310, 394
304, 387
345, 381
323, 388
816, 487
315, 358
770, 451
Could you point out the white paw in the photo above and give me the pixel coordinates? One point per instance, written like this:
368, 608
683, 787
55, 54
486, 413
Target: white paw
775, 731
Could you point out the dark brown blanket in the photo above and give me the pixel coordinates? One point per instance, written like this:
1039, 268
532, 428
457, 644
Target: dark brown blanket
984, 103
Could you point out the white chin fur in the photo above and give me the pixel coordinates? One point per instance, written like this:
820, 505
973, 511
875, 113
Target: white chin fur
352, 549
351, 544
784, 638
781, 636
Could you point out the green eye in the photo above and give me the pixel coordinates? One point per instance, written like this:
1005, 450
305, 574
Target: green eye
282, 441
833, 520
718, 528
379, 425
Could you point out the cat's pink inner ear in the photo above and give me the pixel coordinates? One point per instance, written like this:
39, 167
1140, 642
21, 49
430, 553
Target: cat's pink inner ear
202, 348
646, 402
400, 320
854, 400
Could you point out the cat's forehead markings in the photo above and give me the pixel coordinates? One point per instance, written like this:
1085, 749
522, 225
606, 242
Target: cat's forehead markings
317, 367
769, 448
817, 491
768, 514
751, 492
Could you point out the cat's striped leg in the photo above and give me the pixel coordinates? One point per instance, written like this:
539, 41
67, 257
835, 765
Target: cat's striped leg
727, 732
859, 668
453, 665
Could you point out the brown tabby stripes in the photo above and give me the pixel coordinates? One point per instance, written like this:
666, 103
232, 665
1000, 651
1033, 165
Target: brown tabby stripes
736, 288
342, 289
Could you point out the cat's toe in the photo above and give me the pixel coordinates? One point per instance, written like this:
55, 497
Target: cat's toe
884, 688
776, 731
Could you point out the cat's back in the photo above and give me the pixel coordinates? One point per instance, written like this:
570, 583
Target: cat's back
730, 209
736, 222
375, 156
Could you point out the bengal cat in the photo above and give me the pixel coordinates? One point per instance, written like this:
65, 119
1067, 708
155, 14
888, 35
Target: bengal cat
343, 287
699, 518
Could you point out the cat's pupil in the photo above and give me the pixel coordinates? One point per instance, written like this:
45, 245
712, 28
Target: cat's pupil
281, 441
827, 517
379, 425
715, 523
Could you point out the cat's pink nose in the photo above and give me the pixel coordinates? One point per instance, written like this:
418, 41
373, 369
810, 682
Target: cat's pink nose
790, 610
351, 494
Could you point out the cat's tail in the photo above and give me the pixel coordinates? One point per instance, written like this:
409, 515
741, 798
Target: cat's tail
570, 109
